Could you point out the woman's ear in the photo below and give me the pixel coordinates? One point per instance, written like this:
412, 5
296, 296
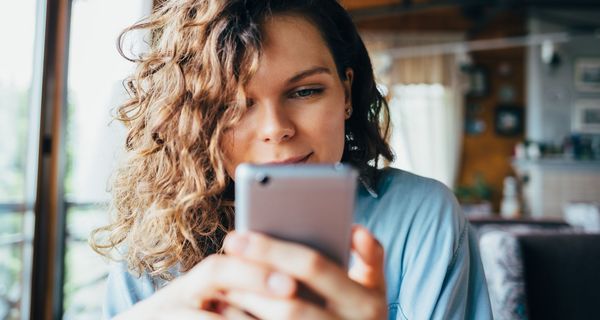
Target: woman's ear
348, 86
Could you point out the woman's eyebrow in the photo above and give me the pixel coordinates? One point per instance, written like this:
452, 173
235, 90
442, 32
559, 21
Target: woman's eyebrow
306, 73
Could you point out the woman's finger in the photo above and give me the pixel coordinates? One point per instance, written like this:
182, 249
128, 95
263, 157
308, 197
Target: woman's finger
369, 259
220, 273
194, 315
266, 308
319, 273
232, 313
182, 314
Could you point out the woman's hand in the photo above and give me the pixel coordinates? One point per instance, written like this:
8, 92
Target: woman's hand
199, 293
261, 275
357, 295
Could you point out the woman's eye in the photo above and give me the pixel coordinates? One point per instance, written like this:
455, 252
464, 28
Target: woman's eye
305, 93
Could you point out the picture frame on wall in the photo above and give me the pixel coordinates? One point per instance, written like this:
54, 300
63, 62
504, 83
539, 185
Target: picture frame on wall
478, 85
587, 74
586, 116
509, 120
474, 123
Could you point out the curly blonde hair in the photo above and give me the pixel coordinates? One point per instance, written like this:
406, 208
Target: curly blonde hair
172, 198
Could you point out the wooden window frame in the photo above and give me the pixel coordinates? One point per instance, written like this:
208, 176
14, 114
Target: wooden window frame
49, 234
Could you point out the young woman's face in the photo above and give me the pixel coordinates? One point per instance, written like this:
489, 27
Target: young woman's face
296, 101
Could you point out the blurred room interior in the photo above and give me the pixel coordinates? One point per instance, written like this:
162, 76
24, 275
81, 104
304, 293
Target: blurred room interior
498, 99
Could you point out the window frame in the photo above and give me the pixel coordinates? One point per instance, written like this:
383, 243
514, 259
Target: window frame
49, 231
45, 203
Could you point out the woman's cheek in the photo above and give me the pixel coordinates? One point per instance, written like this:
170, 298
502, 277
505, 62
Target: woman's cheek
331, 132
234, 147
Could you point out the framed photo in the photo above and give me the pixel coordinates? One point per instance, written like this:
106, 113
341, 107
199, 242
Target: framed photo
474, 124
587, 74
478, 81
508, 120
586, 116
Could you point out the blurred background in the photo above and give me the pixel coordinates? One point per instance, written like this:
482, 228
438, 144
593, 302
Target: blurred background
499, 100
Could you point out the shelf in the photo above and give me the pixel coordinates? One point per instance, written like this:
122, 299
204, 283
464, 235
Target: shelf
558, 163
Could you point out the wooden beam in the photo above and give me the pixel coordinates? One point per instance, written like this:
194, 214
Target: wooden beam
48, 242
363, 4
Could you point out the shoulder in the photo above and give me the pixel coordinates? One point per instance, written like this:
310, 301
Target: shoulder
394, 183
426, 239
405, 199
433, 269
125, 289
410, 214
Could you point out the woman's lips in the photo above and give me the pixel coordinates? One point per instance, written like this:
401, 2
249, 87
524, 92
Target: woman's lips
293, 160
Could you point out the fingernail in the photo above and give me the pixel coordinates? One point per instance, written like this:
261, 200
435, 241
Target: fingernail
236, 243
280, 284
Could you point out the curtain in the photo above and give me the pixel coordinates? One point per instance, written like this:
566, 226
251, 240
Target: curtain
425, 92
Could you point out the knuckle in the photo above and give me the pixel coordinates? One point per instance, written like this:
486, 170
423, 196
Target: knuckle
314, 263
212, 264
259, 243
262, 277
379, 251
293, 311
374, 308
379, 246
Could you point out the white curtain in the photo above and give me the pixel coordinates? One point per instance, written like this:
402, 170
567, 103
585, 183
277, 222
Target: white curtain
427, 126
426, 103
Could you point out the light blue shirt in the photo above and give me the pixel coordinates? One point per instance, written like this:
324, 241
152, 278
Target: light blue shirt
432, 264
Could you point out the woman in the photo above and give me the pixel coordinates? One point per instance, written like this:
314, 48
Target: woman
228, 82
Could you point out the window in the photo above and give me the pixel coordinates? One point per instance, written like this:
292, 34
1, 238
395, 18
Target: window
20, 62
95, 89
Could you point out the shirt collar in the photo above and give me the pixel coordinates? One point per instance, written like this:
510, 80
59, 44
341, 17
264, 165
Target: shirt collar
368, 185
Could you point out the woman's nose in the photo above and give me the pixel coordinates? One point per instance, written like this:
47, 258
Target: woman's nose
275, 125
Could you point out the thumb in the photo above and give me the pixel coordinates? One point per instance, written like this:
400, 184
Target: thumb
369, 259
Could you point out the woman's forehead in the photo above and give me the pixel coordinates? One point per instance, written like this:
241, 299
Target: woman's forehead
285, 33
292, 44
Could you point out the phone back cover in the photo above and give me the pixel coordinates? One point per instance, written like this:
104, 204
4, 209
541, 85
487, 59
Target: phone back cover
310, 204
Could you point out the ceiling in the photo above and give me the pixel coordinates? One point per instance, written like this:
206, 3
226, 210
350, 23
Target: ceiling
357, 5
471, 16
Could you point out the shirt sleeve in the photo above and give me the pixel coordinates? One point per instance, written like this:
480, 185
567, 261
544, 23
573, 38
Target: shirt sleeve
123, 290
442, 277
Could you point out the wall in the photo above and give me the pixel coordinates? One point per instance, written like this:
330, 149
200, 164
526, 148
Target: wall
488, 153
551, 91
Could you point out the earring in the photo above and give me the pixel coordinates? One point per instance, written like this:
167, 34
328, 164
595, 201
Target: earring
348, 112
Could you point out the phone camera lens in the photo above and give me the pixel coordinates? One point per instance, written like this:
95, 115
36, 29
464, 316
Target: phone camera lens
262, 179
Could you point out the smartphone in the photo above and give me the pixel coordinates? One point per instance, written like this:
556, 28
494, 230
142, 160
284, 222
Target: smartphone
309, 204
